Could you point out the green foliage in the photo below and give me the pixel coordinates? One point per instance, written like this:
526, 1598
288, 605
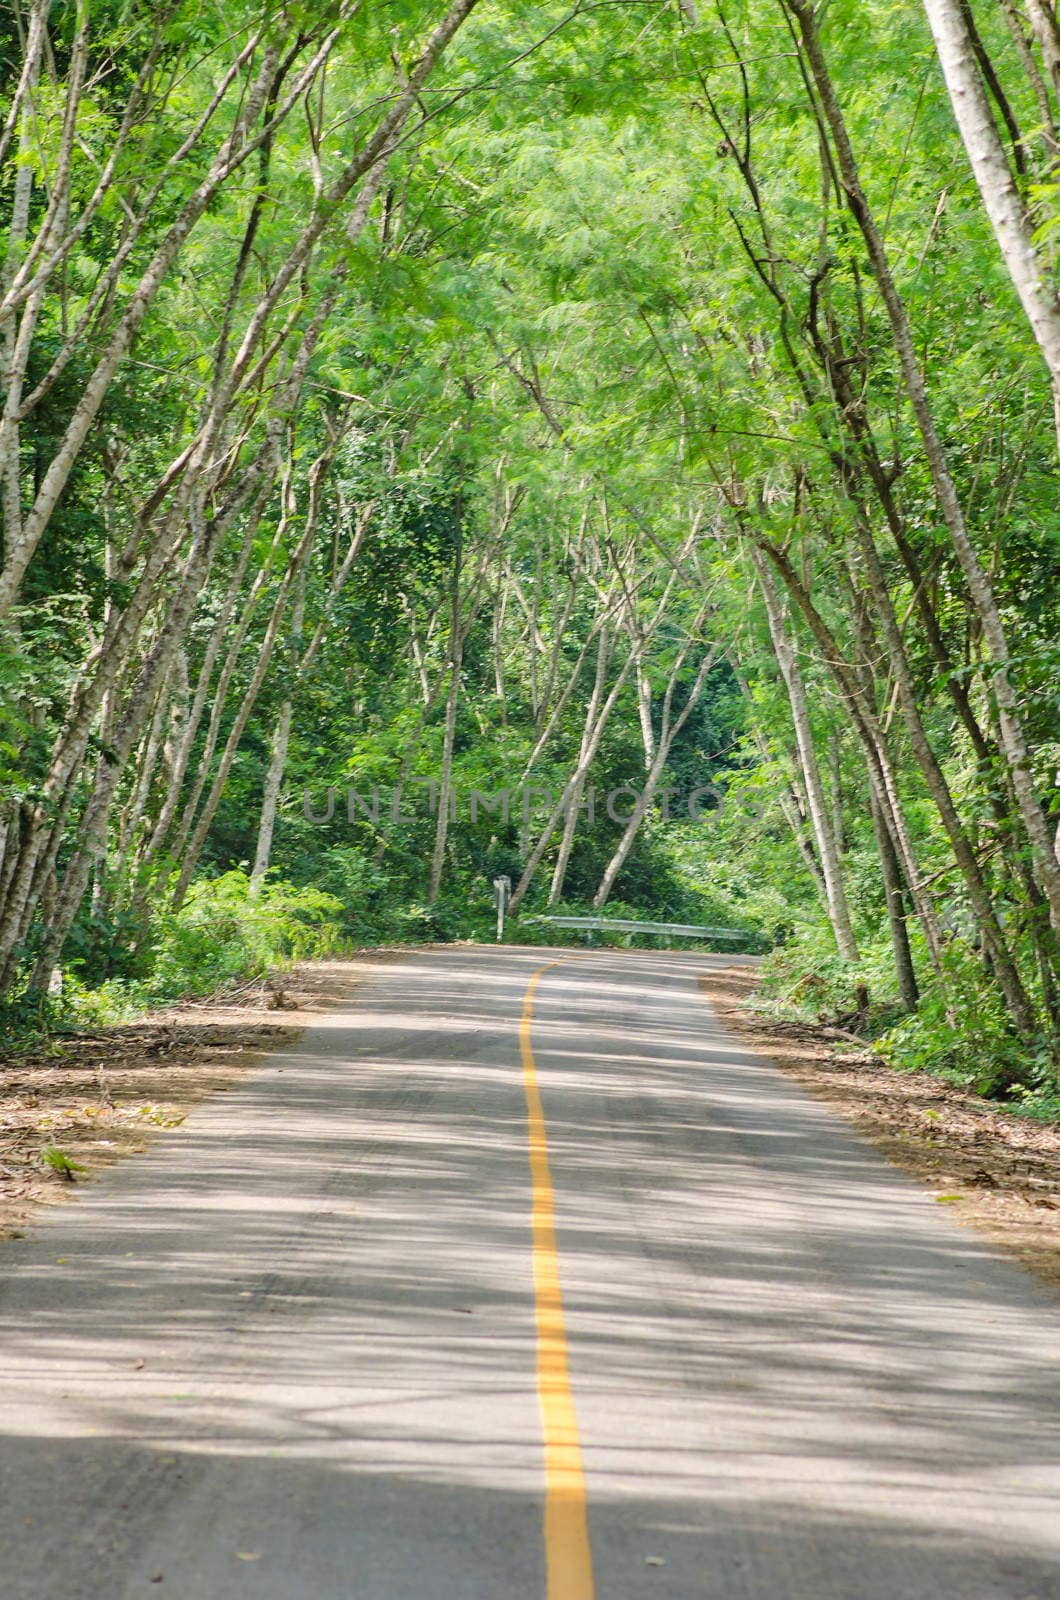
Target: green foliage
807, 978
104, 1005
740, 879
61, 1163
227, 930
570, 330
224, 932
28, 1017
961, 1032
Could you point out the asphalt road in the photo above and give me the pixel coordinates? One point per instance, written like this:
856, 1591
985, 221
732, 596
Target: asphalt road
476, 1297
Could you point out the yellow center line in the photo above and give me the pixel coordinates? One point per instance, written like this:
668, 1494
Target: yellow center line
568, 1558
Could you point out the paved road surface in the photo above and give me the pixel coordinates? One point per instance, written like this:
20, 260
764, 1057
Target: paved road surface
295, 1351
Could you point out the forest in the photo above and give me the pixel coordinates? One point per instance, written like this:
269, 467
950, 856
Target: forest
608, 444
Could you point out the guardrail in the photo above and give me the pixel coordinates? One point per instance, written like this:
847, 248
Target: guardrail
677, 930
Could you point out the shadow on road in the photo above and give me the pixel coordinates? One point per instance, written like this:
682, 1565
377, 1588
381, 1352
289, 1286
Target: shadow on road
291, 1350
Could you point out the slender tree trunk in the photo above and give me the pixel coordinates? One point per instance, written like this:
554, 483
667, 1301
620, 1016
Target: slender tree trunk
836, 795
570, 820
184, 741
664, 744
1018, 1001
281, 736
544, 732
136, 713
452, 704
270, 799
193, 850
1046, 28
644, 709
891, 872
1001, 198
282, 731
880, 767
574, 785
816, 804
1024, 50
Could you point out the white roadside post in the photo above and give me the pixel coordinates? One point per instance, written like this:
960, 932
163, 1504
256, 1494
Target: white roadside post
502, 894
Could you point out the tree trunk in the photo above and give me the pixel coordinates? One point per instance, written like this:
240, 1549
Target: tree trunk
816, 803
891, 872
570, 821
574, 785
136, 712
282, 732
644, 709
271, 796
1014, 741
452, 705
664, 744
235, 733
880, 767
1001, 198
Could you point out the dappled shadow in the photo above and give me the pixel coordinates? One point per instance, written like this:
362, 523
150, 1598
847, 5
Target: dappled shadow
305, 1324
100, 1091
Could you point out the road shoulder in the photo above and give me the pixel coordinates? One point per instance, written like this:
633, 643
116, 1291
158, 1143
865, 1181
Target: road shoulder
996, 1172
104, 1094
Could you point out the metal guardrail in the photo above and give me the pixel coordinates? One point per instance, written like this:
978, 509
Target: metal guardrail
678, 930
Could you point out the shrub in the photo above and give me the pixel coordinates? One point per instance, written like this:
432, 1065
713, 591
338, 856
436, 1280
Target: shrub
225, 930
961, 1033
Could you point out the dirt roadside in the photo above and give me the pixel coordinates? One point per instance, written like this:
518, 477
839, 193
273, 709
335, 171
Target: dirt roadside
997, 1172
100, 1095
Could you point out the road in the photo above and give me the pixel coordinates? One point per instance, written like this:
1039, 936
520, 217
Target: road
504, 1288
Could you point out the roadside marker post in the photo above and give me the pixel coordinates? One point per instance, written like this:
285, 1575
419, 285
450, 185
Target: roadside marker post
502, 894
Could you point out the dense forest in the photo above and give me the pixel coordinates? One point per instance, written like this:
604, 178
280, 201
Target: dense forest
610, 444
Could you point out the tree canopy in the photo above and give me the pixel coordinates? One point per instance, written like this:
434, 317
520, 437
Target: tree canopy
607, 445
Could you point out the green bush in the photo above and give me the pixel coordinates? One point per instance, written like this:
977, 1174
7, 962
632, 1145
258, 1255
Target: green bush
225, 930
360, 887
960, 1032
809, 978
27, 1017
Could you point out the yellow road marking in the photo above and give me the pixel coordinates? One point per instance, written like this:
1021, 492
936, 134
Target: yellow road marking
568, 1558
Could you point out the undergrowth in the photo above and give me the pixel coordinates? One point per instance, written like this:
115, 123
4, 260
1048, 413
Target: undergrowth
959, 1031
225, 932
